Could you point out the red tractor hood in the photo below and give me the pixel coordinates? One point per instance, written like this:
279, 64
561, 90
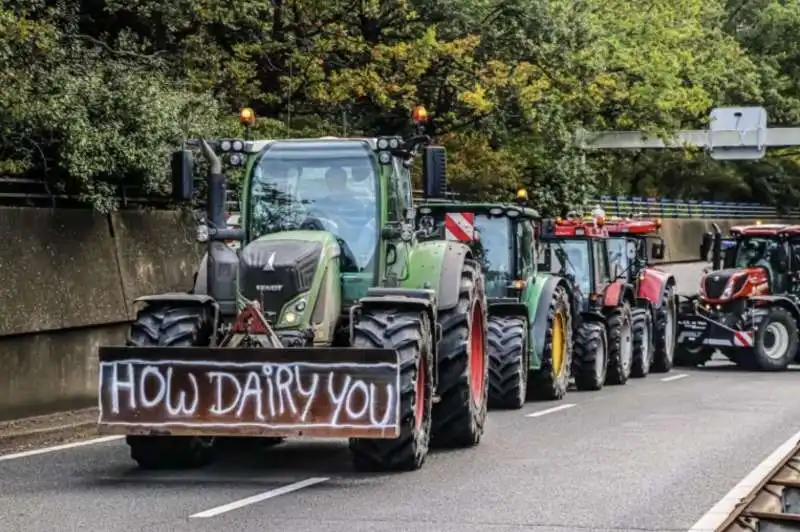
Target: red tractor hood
733, 283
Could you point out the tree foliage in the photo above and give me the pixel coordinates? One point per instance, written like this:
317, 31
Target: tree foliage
95, 93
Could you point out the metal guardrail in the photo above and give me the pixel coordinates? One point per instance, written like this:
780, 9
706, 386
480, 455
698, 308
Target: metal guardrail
669, 208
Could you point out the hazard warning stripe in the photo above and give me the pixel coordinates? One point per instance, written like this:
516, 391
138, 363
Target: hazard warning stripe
459, 226
743, 338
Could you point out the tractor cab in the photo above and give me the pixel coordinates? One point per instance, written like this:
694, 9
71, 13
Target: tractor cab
576, 247
628, 243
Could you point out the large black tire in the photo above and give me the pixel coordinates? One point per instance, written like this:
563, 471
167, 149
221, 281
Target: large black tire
619, 324
550, 382
643, 345
775, 342
410, 334
666, 328
168, 325
460, 413
590, 358
692, 357
508, 362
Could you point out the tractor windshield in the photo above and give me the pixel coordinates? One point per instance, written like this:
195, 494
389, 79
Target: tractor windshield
325, 186
621, 251
752, 250
576, 260
494, 240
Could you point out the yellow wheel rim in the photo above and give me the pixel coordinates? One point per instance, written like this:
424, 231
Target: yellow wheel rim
557, 353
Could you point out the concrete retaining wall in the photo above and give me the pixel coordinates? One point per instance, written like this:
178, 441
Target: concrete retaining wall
68, 278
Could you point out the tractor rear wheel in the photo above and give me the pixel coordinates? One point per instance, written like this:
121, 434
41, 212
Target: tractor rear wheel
171, 326
410, 334
460, 413
666, 328
590, 361
550, 382
508, 362
642, 342
620, 344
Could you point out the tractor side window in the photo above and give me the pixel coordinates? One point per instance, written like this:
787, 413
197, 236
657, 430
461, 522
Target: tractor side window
395, 197
601, 262
524, 247
404, 185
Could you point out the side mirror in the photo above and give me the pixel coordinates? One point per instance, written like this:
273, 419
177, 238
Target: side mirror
657, 250
434, 171
705, 246
182, 175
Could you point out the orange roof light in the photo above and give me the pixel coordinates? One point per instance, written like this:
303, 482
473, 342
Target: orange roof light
600, 221
522, 194
419, 114
247, 117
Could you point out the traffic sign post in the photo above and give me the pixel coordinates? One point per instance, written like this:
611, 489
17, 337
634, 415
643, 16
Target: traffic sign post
735, 133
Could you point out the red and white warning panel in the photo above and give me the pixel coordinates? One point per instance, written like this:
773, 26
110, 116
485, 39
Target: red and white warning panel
459, 226
743, 339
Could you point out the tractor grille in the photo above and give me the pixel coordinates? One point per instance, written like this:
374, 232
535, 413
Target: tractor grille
715, 285
274, 272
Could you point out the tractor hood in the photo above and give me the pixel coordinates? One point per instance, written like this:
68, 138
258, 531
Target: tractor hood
733, 283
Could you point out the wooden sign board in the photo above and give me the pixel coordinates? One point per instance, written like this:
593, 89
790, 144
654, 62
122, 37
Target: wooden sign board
321, 392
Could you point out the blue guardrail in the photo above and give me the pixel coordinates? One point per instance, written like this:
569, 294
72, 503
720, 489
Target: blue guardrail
668, 208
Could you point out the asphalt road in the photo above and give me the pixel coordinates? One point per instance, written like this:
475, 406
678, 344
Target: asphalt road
654, 455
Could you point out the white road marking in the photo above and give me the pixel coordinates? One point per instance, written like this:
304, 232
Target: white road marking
63, 447
675, 377
235, 505
541, 413
724, 508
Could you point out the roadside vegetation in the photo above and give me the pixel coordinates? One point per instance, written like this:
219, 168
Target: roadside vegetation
96, 93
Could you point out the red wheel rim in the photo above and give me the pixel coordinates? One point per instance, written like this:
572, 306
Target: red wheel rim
419, 407
477, 368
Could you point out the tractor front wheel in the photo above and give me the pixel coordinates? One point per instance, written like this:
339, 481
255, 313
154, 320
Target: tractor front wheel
171, 326
550, 382
410, 334
508, 362
620, 344
589, 363
775, 341
642, 342
460, 413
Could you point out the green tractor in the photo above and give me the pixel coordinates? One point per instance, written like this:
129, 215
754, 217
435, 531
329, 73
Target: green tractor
332, 320
530, 320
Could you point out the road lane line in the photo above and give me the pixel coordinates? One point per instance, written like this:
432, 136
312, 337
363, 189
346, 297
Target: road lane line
62, 447
675, 377
725, 507
235, 505
541, 413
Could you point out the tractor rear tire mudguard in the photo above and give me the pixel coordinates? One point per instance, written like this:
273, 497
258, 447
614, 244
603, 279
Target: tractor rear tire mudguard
643, 343
168, 325
590, 358
549, 382
620, 344
508, 362
460, 413
665, 327
410, 333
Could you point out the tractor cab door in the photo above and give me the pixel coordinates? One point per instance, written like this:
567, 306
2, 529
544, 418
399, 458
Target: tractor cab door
394, 254
601, 266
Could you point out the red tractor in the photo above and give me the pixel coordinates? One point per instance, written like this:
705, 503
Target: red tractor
656, 315
748, 305
603, 328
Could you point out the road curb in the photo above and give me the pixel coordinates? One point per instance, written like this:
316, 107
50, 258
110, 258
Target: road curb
48, 428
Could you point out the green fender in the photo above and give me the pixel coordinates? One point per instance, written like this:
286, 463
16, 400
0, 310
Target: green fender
437, 265
538, 298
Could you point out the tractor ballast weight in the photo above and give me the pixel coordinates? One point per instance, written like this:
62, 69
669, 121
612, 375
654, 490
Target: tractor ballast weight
530, 318
307, 330
603, 303
747, 306
657, 303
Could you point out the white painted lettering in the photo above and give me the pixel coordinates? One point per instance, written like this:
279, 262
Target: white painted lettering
358, 386
218, 377
309, 394
252, 388
161, 386
118, 386
285, 389
337, 400
182, 409
390, 405
266, 370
